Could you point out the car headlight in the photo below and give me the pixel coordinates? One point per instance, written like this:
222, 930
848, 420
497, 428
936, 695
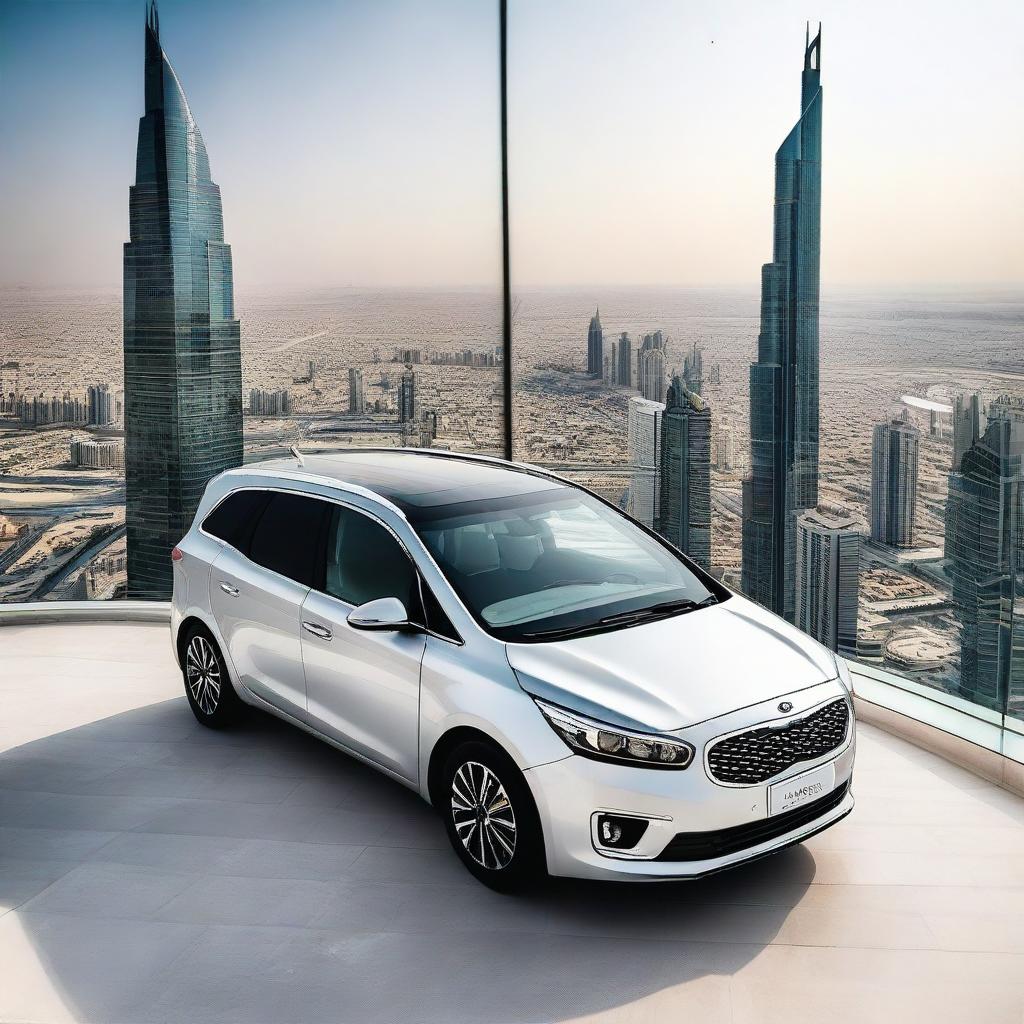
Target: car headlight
605, 743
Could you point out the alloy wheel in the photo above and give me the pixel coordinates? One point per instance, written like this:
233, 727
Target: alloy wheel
203, 673
483, 816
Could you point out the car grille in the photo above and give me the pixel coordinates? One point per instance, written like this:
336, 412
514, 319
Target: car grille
708, 845
761, 753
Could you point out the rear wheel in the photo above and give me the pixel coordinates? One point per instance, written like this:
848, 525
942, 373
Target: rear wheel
210, 694
490, 817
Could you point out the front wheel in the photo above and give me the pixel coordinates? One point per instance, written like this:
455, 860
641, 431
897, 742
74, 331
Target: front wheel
491, 818
210, 694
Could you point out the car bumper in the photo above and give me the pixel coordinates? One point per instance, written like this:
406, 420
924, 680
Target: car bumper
571, 792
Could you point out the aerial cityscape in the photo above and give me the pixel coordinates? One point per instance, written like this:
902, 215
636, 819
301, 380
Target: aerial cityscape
851, 461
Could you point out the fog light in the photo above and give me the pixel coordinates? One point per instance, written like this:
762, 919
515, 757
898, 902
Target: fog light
618, 832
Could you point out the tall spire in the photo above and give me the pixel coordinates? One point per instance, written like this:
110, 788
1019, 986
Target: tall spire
153, 18
812, 46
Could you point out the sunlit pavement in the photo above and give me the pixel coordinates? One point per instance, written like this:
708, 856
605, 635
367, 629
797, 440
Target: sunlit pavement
151, 870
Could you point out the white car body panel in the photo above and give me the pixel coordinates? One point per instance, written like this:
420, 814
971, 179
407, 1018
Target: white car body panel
391, 698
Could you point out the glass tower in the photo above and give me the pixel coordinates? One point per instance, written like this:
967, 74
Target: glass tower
182, 357
595, 346
643, 427
985, 552
895, 449
828, 577
783, 479
684, 503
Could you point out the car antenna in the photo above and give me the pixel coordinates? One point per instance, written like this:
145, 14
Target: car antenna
298, 455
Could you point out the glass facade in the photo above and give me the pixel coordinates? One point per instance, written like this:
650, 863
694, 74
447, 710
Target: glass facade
783, 478
850, 457
182, 345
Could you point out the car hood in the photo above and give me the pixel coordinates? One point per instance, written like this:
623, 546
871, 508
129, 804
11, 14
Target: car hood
675, 672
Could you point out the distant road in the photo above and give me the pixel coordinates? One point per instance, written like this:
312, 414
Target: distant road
55, 579
298, 341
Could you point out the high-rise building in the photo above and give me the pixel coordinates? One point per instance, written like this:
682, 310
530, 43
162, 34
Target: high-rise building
693, 369
407, 396
968, 425
595, 346
783, 478
684, 496
651, 372
624, 361
827, 577
894, 454
269, 403
611, 366
100, 405
985, 552
643, 440
182, 356
356, 391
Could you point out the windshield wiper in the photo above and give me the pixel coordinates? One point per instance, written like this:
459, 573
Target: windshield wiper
654, 611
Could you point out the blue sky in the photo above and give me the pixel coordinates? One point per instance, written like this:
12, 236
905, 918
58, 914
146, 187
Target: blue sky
355, 141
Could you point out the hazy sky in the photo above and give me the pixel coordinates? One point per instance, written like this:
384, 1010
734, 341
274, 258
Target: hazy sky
356, 142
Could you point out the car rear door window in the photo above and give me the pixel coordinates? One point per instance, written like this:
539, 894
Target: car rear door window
287, 538
232, 521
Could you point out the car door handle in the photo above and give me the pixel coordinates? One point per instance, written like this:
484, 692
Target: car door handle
317, 630
228, 589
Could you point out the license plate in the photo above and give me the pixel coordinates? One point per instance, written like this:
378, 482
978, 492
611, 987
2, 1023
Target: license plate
802, 789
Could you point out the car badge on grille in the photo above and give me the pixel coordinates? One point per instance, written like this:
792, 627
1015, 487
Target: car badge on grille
785, 707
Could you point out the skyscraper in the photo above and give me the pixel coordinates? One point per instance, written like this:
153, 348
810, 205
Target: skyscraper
968, 425
684, 497
356, 391
624, 361
693, 369
595, 346
894, 453
643, 441
407, 396
182, 358
985, 549
611, 366
651, 367
100, 404
783, 477
827, 577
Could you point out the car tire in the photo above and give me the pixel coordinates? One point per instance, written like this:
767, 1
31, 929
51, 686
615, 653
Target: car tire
490, 817
208, 687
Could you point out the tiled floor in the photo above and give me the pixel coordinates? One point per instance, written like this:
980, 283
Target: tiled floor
153, 871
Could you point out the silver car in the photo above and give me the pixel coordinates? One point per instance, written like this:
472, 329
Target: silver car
570, 692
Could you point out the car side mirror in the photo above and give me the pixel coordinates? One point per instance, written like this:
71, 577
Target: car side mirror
386, 614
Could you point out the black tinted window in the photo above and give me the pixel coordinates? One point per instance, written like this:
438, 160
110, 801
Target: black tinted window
365, 562
287, 537
233, 519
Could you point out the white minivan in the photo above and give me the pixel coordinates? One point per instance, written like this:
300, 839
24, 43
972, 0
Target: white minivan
571, 693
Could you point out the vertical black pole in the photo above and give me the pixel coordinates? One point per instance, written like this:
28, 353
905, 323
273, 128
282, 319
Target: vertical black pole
506, 285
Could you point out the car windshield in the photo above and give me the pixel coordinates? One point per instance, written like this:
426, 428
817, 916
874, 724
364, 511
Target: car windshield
556, 564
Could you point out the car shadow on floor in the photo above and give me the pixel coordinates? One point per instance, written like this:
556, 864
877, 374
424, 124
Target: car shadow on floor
160, 871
